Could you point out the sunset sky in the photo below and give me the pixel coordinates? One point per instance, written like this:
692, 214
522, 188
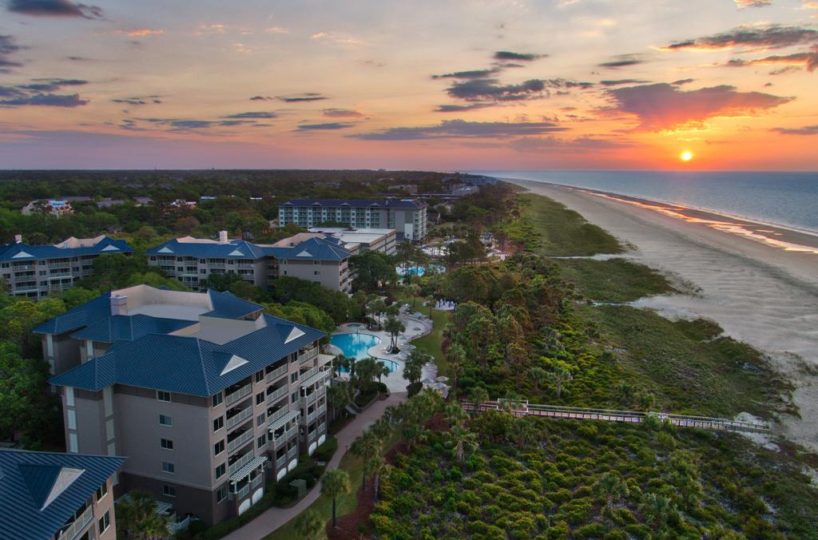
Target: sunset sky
422, 84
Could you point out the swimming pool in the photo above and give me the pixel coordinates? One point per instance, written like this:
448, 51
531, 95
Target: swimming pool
357, 346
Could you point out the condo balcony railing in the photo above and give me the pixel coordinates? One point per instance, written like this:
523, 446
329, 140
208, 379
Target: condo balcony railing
277, 414
256, 482
281, 462
243, 492
282, 439
308, 354
293, 452
316, 413
233, 421
277, 394
239, 463
78, 526
240, 441
244, 391
277, 373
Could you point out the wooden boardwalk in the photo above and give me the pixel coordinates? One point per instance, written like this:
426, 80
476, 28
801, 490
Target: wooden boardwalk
523, 408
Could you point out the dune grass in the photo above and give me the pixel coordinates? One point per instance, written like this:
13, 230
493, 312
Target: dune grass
614, 280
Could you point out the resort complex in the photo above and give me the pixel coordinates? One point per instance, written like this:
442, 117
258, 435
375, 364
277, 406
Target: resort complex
206, 395
35, 271
406, 216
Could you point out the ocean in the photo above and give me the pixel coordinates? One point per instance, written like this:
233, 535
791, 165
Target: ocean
784, 199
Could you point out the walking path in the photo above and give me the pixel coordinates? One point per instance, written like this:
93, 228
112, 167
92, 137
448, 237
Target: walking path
274, 518
524, 408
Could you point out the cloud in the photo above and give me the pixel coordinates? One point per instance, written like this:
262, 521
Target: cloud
471, 74
185, 124
342, 113
262, 98
517, 57
325, 126
771, 36
142, 32
623, 60
580, 144
806, 130
298, 98
741, 4
337, 38
807, 59
50, 85
620, 82
54, 8
138, 100
462, 129
664, 106
680, 82
44, 100
492, 90
8, 47
448, 108
253, 114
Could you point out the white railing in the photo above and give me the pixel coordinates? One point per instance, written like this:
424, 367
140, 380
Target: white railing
243, 492
309, 354
257, 481
277, 394
281, 462
277, 373
239, 441
278, 414
316, 413
233, 421
245, 390
310, 399
293, 452
284, 437
79, 525
241, 462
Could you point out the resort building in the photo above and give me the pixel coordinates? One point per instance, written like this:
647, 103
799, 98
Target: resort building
357, 241
406, 216
193, 260
37, 270
204, 393
53, 496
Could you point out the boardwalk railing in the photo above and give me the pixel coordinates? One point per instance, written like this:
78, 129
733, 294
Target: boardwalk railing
523, 408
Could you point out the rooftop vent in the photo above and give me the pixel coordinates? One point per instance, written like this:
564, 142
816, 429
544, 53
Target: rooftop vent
222, 237
119, 304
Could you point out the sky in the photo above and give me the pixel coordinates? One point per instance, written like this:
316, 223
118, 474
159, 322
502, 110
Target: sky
420, 84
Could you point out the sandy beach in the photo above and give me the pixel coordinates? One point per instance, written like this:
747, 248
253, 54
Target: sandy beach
761, 291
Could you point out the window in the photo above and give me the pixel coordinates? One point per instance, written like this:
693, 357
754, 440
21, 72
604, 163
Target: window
168, 491
162, 395
294, 377
294, 397
218, 423
220, 470
104, 522
260, 376
167, 444
217, 399
165, 420
168, 467
260, 420
218, 448
260, 398
221, 494
102, 490
262, 441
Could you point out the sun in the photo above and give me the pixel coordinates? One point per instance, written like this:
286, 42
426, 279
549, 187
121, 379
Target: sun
686, 156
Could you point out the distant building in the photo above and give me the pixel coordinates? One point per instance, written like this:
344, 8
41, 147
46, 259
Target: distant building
360, 240
143, 201
37, 270
108, 202
206, 395
193, 260
406, 216
411, 189
48, 496
55, 207
181, 203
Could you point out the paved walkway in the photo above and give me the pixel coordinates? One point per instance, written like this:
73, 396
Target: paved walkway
274, 518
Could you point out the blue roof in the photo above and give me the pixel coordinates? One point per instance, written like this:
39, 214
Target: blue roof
78, 317
357, 203
26, 252
187, 364
314, 249
128, 328
234, 249
229, 306
28, 481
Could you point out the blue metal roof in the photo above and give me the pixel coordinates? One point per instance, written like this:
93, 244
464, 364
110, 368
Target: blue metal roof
227, 305
25, 252
357, 203
128, 328
314, 249
27, 482
83, 315
234, 249
188, 365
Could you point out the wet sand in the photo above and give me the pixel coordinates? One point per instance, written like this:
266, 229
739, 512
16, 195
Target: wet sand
762, 292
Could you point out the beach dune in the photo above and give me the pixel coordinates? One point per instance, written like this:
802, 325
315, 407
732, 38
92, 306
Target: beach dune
760, 293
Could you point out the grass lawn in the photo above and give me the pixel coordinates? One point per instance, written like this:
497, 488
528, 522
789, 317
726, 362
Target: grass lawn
614, 280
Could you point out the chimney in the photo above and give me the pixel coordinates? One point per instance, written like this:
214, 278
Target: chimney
119, 305
222, 237
18, 238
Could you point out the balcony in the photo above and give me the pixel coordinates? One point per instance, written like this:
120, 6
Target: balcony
78, 526
243, 415
257, 481
306, 401
316, 413
293, 453
244, 391
308, 354
277, 394
315, 375
280, 413
239, 463
282, 439
240, 441
243, 492
277, 373
281, 462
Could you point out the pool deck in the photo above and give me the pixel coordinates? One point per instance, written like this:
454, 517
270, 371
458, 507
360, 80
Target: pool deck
417, 325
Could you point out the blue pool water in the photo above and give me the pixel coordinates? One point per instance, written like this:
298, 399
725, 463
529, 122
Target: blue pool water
357, 346
411, 271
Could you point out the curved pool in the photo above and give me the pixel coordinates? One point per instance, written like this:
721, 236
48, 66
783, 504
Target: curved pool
357, 346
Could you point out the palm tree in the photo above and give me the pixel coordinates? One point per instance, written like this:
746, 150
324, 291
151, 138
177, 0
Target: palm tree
368, 447
456, 356
560, 375
479, 395
335, 482
455, 415
656, 510
538, 376
612, 487
394, 327
309, 526
462, 440
413, 367
339, 363
339, 395
139, 518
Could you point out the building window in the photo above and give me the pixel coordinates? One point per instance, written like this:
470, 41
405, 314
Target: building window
168, 491
260, 398
218, 423
262, 441
104, 522
260, 376
167, 444
220, 470
294, 397
102, 490
217, 399
221, 494
168, 467
165, 420
162, 395
294, 377
218, 448
260, 420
